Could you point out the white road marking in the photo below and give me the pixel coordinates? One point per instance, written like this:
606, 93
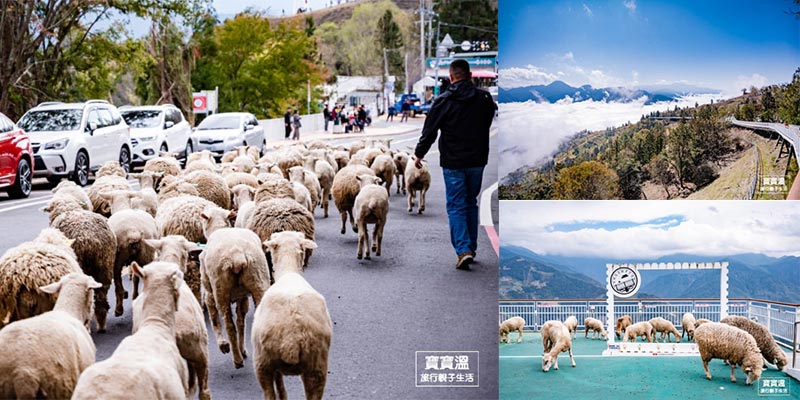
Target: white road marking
12, 208
486, 208
564, 356
16, 205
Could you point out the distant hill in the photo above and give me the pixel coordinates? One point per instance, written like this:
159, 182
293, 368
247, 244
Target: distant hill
559, 90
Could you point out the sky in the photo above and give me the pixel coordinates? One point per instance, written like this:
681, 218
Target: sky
624, 230
272, 7
720, 44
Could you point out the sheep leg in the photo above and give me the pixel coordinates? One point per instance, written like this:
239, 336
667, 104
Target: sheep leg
223, 299
201, 370
398, 183
101, 307
422, 200
705, 367
571, 358
279, 387
519, 339
352, 220
343, 214
242, 306
314, 384
733, 370
213, 315
267, 381
411, 196
379, 237
555, 362
119, 290
325, 197
404, 183
362, 237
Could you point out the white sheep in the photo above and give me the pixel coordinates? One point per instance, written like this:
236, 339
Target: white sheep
147, 364
345, 188
325, 172
643, 329
665, 328
70, 189
766, 343
596, 326
148, 198
310, 181
731, 344
384, 167
555, 339
689, 324
509, 325
622, 323
233, 267
371, 207
43, 356
401, 162
243, 201
301, 193
417, 180
278, 215
292, 328
572, 325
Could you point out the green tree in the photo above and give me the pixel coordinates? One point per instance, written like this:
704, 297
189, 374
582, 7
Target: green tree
590, 180
390, 45
468, 20
661, 173
769, 104
789, 109
679, 153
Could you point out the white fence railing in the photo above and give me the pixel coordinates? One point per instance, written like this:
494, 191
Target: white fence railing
778, 317
274, 128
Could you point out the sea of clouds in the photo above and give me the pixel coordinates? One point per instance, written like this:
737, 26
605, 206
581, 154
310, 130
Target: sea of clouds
530, 132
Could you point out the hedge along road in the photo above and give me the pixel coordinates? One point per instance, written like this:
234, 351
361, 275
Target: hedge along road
409, 299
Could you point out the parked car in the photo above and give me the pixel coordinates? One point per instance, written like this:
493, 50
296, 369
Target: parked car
16, 159
157, 128
410, 97
74, 139
219, 133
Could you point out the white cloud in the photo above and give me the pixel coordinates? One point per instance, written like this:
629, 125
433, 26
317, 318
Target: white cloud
630, 5
519, 77
587, 10
530, 132
745, 227
757, 80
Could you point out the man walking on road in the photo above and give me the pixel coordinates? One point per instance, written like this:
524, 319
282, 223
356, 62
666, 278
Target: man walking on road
464, 115
287, 122
326, 114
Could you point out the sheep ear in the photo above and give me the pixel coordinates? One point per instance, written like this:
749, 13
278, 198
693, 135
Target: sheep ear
158, 174
177, 279
137, 270
154, 243
52, 288
106, 195
45, 208
92, 284
70, 242
190, 247
308, 244
358, 178
232, 214
204, 216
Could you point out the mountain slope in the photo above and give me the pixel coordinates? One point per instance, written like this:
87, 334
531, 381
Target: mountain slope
525, 275
558, 90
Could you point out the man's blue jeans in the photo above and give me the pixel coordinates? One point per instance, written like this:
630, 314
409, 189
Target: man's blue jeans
462, 187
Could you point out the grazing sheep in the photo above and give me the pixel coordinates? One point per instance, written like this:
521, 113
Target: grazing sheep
731, 344
417, 179
689, 324
172, 187
147, 364
44, 355
345, 189
131, 228
572, 325
176, 249
325, 172
278, 215
400, 163
279, 188
384, 168
211, 186
93, 239
766, 343
287, 159
509, 325
555, 339
371, 207
700, 321
29, 266
181, 216
643, 329
105, 184
70, 189
163, 164
191, 334
233, 267
244, 163
310, 181
200, 161
240, 178
111, 168
623, 323
596, 326
243, 201
665, 328
292, 329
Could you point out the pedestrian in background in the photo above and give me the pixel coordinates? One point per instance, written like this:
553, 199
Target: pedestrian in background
335, 118
362, 118
326, 115
287, 122
464, 115
296, 124
390, 114
405, 108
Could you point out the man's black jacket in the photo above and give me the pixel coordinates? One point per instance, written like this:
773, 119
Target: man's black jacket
287, 118
464, 114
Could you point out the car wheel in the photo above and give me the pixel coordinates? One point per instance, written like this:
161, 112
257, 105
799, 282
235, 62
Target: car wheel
22, 186
81, 173
125, 159
163, 148
264, 147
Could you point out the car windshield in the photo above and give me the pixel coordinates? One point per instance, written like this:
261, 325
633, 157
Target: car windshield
142, 118
51, 120
219, 122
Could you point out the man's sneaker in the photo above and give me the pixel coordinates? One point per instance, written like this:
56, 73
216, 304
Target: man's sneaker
474, 254
464, 259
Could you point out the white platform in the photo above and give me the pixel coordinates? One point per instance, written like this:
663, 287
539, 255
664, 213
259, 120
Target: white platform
642, 349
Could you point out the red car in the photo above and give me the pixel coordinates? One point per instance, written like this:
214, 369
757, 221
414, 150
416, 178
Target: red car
16, 155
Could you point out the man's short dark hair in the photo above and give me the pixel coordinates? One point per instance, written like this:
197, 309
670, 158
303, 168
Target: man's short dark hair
460, 69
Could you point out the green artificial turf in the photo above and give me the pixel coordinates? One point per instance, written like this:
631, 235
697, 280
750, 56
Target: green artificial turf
595, 376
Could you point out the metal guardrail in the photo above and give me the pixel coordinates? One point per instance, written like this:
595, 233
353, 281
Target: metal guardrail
779, 318
756, 173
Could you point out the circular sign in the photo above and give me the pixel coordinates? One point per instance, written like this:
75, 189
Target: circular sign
199, 103
625, 281
466, 45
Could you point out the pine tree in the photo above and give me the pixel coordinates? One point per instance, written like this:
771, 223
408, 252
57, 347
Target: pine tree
390, 41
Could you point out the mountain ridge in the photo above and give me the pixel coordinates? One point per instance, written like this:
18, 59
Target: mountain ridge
558, 90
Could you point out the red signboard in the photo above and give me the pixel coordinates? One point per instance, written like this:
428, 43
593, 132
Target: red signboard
199, 103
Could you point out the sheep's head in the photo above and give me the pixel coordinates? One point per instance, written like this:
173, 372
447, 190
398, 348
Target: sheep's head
119, 199
214, 218
503, 334
242, 193
63, 184
72, 287
753, 365
174, 249
367, 179
297, 174
55, 237
358, 160
159, 278
780, 358
288, 249
147, 179
60, 205
547, 362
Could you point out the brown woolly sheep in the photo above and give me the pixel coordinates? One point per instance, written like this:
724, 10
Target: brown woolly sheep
555, 339
371, 207
731, 344
345, 188
623, 323
510, 325
278, 215
766, 343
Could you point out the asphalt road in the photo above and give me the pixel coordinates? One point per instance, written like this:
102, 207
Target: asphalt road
384, 310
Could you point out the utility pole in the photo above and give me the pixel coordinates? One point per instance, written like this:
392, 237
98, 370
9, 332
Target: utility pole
430, 28
422, 37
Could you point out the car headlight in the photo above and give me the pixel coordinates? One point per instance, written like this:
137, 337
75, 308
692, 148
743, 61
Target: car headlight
147, 138
56, 145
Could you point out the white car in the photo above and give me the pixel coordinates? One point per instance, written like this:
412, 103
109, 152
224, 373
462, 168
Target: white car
157, 128
219, 133
73, 139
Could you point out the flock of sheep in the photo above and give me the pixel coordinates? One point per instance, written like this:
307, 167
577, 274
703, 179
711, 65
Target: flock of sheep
210, 233
736, 340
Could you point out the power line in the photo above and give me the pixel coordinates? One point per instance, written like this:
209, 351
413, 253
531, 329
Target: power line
476, 28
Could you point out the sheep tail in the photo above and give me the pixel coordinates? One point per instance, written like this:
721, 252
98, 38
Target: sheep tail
134, 241
26, 384
290, 352
235, 262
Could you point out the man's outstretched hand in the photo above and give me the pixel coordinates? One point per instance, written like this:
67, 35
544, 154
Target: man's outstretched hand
418, 162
